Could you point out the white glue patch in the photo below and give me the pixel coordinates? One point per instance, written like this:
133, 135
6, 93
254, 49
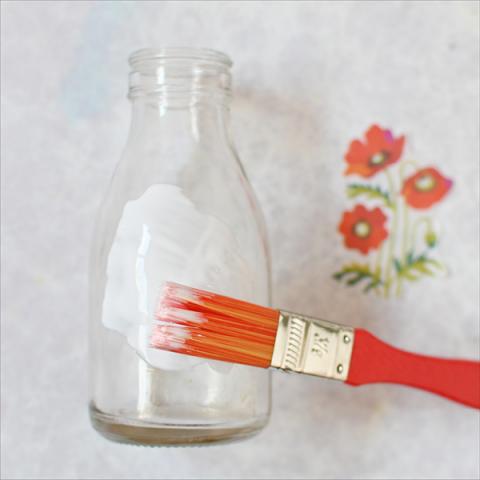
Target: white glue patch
162, 237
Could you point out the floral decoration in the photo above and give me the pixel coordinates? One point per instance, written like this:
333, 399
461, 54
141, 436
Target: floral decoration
379, 150
363, 229
387, 231
426, 187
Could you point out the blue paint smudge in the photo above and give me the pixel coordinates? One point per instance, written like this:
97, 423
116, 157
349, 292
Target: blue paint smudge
86, 88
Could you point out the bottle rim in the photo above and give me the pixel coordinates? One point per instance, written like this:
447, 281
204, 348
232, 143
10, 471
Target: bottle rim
191, 54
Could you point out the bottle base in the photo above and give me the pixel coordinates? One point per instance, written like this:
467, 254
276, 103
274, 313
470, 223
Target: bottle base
137, 432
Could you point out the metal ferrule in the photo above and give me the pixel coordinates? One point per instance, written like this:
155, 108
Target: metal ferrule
312, 346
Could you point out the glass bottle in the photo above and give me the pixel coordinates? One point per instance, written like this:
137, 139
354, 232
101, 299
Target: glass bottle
178, 208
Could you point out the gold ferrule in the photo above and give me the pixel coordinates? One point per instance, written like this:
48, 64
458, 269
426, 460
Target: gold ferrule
312, 346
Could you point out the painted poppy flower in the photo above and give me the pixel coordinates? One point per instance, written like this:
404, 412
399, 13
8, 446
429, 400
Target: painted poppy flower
380, 150
363, 229
426, 187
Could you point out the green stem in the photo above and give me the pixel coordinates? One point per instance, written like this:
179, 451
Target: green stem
378, 264
405, 221
379, 261
405, 228
422, 220
393, 233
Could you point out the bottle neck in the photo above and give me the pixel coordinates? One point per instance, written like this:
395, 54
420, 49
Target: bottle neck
183, 92
201, 122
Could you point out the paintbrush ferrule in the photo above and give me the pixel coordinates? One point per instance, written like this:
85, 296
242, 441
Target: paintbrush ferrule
312, 346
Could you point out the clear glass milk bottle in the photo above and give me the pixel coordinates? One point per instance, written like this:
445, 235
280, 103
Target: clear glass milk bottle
179, 208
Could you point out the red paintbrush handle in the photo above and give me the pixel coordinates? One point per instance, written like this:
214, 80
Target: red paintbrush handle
373, 361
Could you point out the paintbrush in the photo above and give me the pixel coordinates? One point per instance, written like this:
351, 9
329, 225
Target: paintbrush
200, 323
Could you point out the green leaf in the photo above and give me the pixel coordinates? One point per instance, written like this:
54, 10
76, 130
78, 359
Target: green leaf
397, 265
355, 273
372, 284
410, 276
415, 267
410, 257
421, 267
355, 280
373, 193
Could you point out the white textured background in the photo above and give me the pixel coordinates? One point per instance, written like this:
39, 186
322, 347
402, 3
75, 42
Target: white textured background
308, 78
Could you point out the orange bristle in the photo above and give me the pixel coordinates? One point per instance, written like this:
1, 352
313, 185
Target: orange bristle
204, 324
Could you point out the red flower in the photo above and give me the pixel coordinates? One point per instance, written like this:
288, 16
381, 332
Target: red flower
363, 229
380, 150
426, 187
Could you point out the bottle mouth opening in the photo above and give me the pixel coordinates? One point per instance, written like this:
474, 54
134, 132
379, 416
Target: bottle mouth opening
174, 75
179, 54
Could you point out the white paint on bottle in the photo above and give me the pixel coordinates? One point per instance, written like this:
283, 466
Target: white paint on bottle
162, 236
